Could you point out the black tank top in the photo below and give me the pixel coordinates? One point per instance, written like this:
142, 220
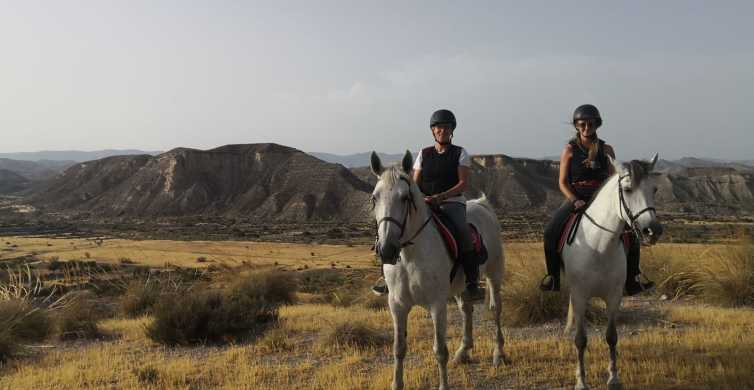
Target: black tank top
585, 178
439, 171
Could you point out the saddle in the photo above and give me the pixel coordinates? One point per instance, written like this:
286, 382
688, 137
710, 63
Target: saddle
571, 226
449, 231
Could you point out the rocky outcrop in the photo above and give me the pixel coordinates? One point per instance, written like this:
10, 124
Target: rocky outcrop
261, 180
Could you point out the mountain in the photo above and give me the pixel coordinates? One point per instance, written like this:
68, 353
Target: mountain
33, 170
358, 159
11, 182
268, 181
72, 155
277, 183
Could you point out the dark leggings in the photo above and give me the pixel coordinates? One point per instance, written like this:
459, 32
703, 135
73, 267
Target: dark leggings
552, 236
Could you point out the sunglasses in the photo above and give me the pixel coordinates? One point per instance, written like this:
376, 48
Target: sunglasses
584, 123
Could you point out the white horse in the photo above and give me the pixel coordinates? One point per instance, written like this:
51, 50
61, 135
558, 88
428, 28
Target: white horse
595, 262
417, 266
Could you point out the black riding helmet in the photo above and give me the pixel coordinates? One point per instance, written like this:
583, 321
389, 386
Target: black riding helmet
587, 111
442, 117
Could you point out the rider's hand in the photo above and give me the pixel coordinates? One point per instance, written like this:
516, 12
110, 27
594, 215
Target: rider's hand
578, 204
433, 200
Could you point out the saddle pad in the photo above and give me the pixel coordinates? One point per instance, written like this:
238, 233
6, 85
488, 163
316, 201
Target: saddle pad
567, 228
451, 245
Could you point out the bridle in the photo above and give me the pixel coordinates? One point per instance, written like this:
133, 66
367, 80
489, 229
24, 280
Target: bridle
624, 206
411, 205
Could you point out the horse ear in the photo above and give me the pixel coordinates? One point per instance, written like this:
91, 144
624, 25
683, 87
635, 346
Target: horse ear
617, 166
653, 162
376, 164
408, 162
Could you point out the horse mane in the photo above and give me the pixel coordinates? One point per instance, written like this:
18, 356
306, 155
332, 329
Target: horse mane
638, 169
393, 174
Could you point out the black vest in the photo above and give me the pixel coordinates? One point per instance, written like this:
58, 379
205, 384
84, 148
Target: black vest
439, 171
580, 171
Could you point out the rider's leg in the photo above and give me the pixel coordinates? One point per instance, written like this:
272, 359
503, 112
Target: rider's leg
551, 282
634, 285
456, 212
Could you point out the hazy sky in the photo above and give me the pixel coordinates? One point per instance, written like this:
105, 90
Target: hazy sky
343, 77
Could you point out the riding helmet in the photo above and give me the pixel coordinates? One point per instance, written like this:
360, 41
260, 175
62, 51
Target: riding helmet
587, 111
443, 117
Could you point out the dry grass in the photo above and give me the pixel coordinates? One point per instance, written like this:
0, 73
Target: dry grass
688, 345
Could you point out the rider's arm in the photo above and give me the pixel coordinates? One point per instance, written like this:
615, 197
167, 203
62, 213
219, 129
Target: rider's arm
565, 165
610, 152
417, 175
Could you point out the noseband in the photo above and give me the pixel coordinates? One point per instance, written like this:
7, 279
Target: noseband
629, 215
402, 224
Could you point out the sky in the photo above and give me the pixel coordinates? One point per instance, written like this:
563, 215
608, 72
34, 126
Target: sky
673, 77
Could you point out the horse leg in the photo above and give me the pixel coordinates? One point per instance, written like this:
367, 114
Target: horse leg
611, 337
467, 311
439, 313
579, 309
496, 308
400, 328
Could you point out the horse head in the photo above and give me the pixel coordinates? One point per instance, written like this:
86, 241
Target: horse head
636, 196
392, 202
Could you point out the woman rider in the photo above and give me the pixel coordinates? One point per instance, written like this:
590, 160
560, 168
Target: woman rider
583, 168
442, 172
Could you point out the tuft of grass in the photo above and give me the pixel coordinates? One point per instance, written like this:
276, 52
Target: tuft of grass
147, 375
355, 334
729, 279
275, 340
525, 304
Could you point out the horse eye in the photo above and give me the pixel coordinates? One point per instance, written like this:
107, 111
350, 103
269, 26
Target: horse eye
655, 190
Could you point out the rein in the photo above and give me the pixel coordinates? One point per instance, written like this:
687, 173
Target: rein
631, 216
402, 225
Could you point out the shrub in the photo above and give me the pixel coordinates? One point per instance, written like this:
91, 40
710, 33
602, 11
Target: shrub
139, 298
20, 321
77, 319
356, 334
243, 309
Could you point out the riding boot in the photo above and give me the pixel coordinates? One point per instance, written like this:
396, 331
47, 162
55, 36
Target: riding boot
634, 284
471, 269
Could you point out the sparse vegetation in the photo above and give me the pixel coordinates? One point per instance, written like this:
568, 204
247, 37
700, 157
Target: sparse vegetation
355, 334
312, 345
243, 309
139, 298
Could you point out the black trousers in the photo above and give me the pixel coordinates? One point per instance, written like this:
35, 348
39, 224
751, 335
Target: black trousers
552, 236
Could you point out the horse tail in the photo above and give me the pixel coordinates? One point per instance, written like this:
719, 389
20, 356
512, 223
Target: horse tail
569, 320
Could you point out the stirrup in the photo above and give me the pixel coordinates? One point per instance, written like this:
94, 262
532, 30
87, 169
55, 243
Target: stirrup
549, 284
637, 286
474, 293
380, 288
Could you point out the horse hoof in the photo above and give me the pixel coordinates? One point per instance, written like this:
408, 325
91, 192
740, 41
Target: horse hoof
462, 357
581, 386
499, 360
614, 385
